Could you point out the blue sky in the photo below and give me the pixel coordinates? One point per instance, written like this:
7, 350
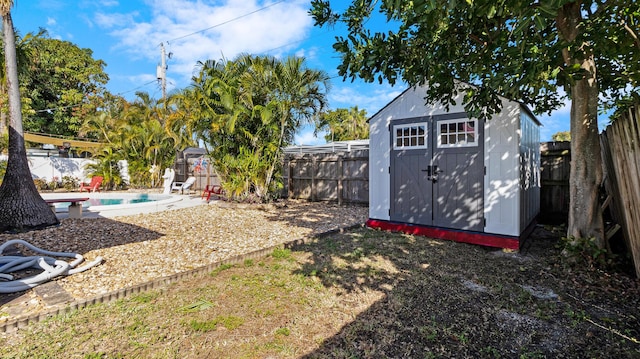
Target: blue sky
127, 34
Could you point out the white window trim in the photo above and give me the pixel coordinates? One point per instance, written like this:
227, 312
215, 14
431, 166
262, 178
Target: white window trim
458, 120
409, 125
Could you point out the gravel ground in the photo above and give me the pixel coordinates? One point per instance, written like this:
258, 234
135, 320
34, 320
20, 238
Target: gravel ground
140, 248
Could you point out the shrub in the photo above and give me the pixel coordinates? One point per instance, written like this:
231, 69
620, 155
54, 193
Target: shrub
3, 169
70, 183
40, 183
54, 184
4, 143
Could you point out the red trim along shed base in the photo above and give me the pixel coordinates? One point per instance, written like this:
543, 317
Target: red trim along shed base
483, 239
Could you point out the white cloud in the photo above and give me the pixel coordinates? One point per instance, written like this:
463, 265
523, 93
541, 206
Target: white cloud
305, 137
49, 4
198, 31
51, 21
110, 21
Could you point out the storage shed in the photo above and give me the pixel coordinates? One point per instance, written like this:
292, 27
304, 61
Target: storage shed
443, 174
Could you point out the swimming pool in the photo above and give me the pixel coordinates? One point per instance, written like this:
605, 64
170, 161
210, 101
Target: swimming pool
101, 201
141, 198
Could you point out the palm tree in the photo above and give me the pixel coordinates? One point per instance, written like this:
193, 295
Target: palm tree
299, 97
139, 133
21, 206
344, 125
253, 106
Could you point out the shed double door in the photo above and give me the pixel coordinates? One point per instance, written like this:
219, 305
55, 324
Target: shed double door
437, 172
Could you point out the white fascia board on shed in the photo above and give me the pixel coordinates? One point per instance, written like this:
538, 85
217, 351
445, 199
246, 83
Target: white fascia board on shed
502, 179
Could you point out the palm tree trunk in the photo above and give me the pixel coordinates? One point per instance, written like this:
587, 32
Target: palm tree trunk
21, 206
276, 159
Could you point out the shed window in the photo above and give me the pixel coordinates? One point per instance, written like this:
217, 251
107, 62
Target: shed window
410, 136
458, 133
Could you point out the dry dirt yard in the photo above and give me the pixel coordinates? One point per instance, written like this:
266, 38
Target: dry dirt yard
140, 248
354, 294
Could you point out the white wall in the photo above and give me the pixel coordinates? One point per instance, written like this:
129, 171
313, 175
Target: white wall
379, 164
502, 181
47, 168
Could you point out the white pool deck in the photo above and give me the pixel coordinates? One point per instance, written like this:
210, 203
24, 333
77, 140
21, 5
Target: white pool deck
175, 201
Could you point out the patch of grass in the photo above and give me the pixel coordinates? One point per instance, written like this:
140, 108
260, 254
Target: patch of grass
222, 267
281, 253
357, 294
283, 331
138, 326
430, 333
490, 351
102, 355
356, 254
230, 322
203, 326
576, 316
145, 297
197, 306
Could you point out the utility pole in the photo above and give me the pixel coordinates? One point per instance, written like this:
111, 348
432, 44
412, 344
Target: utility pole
161, 72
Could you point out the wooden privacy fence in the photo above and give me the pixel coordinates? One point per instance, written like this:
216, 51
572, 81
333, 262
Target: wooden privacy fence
341, 177
621, 158
344, 177
555, 166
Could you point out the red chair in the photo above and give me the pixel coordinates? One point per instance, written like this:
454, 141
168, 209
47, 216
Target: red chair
93, 186
213, 189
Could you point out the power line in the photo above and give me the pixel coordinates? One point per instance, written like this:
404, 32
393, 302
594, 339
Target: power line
295, 42
82, 103
141, 86
228, 21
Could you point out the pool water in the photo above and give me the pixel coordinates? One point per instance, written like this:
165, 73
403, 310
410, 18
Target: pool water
141, 198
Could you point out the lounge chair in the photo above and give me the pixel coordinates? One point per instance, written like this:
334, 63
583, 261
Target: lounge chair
182, 186
213, 189
93, 186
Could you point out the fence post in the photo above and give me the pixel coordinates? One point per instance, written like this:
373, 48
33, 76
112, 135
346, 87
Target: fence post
289, 176
313, 179
340, 177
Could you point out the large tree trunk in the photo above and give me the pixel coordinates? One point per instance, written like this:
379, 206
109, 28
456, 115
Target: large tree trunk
21, 206
585, 217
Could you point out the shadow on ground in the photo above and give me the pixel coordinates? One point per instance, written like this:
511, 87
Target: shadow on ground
75, 236
329, 215
446, 299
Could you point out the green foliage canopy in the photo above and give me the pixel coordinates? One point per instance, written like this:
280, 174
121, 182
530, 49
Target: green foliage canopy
64, 84
508, 48
344, 124
522, 50
136, 132
250, 108
561, 136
